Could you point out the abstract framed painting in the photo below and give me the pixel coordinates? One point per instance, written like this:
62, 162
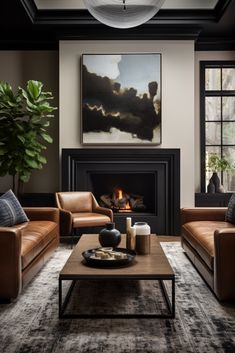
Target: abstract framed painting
121, 99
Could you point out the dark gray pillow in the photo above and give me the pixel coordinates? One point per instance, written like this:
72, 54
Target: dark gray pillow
230, 213
11, 212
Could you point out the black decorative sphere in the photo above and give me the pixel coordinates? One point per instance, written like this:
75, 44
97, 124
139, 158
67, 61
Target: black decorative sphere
110, 236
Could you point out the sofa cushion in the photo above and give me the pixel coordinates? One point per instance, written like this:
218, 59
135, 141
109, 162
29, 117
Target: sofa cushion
11, 212
35, 237
230, 213
200, 235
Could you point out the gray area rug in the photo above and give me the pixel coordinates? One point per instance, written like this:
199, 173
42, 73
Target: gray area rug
202, 324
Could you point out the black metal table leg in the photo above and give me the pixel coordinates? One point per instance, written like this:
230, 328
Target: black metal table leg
169, 303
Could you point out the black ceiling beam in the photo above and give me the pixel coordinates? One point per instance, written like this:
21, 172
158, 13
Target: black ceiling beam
161, 32
215, 43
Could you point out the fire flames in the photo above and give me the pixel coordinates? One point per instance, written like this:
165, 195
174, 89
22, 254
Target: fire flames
125, 204
121, 201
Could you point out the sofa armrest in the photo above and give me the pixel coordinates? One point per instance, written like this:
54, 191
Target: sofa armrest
106, 211
10, 262
202, 214
42, 214
224, 263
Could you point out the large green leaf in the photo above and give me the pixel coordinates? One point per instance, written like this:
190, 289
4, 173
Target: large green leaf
30, 153
31, 163
5, 90
47, 137
34, 88
36, 119
42, 159
25, 176
21, 138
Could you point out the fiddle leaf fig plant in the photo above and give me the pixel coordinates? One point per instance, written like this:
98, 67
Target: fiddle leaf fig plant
24, 119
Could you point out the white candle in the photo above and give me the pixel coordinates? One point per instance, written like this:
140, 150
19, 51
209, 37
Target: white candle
132, 231
128, 223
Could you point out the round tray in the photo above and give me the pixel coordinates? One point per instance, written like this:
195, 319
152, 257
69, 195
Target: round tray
93, 262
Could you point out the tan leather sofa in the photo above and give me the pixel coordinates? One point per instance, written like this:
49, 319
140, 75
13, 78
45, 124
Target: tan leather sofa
24, 249
209, 242
80, 209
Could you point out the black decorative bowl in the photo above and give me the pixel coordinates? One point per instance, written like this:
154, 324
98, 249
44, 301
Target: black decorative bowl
91, 260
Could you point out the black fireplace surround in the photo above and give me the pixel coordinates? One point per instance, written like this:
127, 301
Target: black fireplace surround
154, 174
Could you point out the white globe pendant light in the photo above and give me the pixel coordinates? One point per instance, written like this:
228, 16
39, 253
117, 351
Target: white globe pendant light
123, 13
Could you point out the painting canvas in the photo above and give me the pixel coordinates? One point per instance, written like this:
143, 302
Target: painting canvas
121, 99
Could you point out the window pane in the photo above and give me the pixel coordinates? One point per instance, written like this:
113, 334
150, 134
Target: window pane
229, 176
213, 133
213, 79
229, 154
229, 181
213, 149
228, 133
228, 79
228, 108
213, 108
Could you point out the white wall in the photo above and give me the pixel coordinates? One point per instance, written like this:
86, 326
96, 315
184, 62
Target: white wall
177, 97
17, 67
203, 56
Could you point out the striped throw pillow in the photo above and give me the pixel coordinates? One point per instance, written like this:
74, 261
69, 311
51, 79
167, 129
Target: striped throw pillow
11, 212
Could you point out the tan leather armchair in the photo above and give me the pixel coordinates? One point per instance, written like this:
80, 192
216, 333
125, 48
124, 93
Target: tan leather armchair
80, 209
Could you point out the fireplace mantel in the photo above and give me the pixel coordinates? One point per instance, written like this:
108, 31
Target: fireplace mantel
80, 165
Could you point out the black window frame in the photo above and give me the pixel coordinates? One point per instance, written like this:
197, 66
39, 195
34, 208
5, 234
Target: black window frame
203, 94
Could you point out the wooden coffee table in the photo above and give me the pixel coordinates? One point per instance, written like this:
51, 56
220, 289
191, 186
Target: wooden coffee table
154, 266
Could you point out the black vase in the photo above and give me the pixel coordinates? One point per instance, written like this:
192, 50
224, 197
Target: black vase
211, 187
216, 181
110, 236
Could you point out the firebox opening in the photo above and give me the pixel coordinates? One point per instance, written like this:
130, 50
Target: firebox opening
125, 192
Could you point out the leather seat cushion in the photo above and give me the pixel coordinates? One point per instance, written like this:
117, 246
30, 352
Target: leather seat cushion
35, 237
200, 235
89, 219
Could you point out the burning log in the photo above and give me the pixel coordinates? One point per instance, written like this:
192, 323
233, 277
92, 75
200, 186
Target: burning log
106, 201
137, 202
120, 201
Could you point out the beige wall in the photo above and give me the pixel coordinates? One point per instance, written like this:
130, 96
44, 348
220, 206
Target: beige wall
177, 96
180, 126
17, 67
203, 56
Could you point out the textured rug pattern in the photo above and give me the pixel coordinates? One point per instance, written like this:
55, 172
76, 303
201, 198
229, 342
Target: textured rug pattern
202, 325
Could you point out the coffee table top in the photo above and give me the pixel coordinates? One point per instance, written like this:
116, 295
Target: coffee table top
143, 266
